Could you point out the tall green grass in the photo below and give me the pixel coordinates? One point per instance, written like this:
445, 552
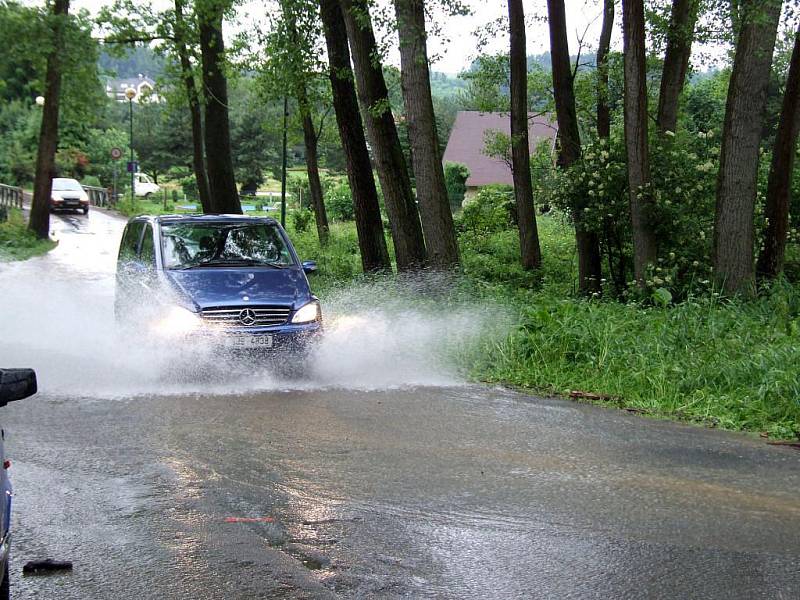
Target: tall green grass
17, 242
719, 363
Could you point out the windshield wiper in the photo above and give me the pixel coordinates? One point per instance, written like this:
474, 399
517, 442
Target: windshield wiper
228, 262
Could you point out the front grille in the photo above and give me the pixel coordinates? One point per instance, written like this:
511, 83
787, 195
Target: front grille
246, 316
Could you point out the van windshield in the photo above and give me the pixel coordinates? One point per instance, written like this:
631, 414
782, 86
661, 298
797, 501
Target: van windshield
209, 245
66, 185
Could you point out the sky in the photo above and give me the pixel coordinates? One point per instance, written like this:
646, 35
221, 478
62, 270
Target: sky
456, 46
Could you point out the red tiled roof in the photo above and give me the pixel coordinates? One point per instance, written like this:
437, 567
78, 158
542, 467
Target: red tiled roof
467, 141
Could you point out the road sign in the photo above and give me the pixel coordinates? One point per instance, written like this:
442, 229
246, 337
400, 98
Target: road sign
133, 166
116, 153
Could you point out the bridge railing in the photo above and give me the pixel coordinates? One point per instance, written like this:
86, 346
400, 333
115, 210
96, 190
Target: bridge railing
10, 196
97, 196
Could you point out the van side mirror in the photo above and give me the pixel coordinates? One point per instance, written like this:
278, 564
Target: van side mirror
309, 266
16, 384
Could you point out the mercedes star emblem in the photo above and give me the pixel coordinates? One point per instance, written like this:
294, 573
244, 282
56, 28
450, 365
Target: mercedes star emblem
247, 316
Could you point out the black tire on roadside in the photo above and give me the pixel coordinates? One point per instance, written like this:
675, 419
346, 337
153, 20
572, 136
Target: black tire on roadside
4, 585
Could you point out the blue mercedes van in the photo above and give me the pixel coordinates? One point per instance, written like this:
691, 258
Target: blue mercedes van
233, 280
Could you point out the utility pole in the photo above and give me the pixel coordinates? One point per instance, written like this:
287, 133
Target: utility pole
130, 94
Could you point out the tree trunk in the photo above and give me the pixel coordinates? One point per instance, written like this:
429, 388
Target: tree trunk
520, 150
312, 165
676, 62
644, 238
603, 111
587, 242
221, 178
48, 133
369, 225
198, 150
741, 137
409, 245
770, 261
426, 156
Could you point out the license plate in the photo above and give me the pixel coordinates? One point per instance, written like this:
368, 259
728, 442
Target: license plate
248, 341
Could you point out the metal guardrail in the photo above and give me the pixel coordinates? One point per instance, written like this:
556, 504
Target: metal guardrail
97, 196
10, 196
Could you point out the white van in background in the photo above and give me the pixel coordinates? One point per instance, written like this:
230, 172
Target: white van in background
146, 186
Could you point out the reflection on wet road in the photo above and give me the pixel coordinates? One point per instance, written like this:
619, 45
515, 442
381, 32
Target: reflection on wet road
437, 490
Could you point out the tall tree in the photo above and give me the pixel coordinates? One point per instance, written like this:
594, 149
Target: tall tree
770, 260
426, 156
302, 30
311, 141
676, 61
221, 178
520, 150
373, 96
741, 137
603, 111
369, 226
193, 99
48, 134
644, 237
588, 244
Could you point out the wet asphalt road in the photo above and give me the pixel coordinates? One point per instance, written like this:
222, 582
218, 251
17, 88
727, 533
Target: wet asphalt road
447, 491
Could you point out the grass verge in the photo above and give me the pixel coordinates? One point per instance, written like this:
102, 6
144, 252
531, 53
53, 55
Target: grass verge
17, 242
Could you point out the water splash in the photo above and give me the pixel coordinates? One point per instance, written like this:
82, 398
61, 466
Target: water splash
57, 317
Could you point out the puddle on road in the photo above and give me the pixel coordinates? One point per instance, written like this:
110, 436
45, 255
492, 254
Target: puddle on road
56, 315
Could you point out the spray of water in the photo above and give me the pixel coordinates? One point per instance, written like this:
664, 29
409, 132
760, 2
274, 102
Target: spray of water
60, 321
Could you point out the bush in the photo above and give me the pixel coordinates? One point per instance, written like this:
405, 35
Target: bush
189, 187
682, 189
493, 210
455, 178
301, 219
339, 202
92, 181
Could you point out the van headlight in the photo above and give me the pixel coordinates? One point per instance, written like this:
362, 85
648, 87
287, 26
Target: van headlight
307, 313
178, 321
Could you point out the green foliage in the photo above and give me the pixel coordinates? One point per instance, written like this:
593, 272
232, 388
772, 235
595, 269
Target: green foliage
455, 178
721, 364
488, 81
98, 148
301, 219
492, 210
682, 189
189, 187
132, 61
339, 202
17, 242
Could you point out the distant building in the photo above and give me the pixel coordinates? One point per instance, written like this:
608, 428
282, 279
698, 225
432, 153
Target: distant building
144, 86
468, 141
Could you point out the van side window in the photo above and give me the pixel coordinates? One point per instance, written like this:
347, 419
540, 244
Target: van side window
129, 247
147, 253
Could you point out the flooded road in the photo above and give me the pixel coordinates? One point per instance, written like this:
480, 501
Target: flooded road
369, 479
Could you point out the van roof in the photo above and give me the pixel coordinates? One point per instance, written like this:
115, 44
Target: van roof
201, 218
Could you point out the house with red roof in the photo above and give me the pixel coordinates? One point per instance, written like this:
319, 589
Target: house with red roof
468, 138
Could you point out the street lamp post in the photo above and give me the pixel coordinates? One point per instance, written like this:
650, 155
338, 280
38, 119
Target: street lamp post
130, 94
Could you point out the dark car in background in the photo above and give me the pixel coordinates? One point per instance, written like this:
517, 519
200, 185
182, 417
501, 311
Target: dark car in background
233, 281
68, 194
